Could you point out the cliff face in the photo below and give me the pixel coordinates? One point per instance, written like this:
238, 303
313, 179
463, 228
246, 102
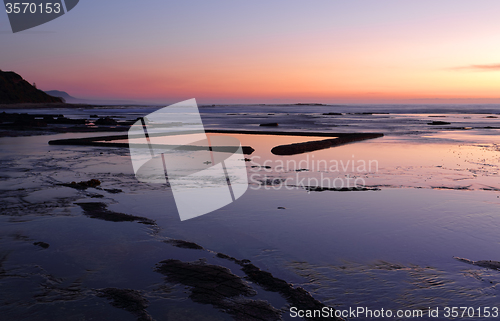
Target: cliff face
14, 90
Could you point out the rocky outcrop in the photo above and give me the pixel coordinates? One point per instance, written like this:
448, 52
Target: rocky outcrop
311, 146
489, 264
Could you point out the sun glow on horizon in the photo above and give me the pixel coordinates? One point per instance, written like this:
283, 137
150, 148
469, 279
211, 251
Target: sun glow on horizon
356, 51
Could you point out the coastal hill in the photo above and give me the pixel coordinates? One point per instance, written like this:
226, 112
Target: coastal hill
64, 95
73, 100
15, 90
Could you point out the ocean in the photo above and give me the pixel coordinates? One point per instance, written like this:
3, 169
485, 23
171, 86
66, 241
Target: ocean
399, 223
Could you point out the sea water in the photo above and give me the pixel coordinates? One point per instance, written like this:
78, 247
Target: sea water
433, 196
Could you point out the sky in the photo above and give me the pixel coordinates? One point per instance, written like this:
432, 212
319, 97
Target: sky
283, 51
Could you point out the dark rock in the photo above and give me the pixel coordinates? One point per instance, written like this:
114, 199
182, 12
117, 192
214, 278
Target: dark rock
84, 184
297, 297
30, 123
128, 300
281, 208
438, 122
184, 244
216, 285
210, 283
247, 150
96, 196
494, 265
269, 125
223, 256
113, 190
265, 167
100, 211
332, 114
106, 121
42, 244
107, 141
305, 147
272, 181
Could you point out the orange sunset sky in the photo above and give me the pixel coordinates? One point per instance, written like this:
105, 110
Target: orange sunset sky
265, 52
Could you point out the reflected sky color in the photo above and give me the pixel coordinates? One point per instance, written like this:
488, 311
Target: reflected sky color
461, 161
266, 52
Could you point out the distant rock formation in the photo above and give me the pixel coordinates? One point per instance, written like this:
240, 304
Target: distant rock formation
73, 100
64, 95
15, 90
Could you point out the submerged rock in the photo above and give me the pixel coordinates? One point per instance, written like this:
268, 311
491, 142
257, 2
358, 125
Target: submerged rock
100, 211
216, 285
84, 184
42, 244
489, 264
184, 244
113, 190
128, 300
295, 296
